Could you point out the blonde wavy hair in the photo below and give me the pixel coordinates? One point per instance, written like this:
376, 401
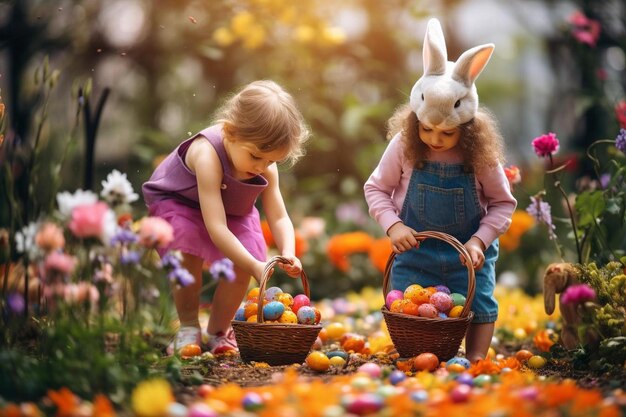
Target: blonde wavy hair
264, 114
481, 142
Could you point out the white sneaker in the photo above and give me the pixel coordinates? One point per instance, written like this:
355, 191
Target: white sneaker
187, 335
223, 342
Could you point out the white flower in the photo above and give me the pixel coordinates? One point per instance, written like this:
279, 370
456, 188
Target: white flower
25, 240
117, 190
67, 201
109, 227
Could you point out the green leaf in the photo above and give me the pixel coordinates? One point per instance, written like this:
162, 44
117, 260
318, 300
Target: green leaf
589, 206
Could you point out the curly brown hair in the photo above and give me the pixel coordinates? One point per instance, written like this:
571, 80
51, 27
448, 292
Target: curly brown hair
481, 142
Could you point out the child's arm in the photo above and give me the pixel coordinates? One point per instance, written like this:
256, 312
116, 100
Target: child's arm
203, 160
279, 221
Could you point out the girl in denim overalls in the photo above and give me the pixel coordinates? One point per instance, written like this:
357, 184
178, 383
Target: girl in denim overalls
442, 171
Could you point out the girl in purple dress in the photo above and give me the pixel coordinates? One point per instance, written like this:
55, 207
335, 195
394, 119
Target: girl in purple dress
207, 189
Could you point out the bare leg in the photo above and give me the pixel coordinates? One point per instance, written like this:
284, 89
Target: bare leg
226, 300
478, 340
187, 299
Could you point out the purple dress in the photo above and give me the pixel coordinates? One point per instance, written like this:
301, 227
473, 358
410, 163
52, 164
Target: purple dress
172, 194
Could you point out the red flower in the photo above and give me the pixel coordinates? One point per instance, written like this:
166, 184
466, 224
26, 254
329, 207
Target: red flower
620, 112
546, 145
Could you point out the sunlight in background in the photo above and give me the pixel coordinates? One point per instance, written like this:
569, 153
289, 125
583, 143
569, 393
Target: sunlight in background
122, 22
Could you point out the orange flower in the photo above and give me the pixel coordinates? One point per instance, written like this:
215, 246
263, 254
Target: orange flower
50, 237
511, 362
521, 222
484, 366
267, 233
231, 394
302, 245
65, 401
345, 244
379, 253
513, 175
102, 406
558, 394
544, 340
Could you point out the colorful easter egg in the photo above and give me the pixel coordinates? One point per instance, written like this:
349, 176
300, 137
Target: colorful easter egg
411, 290
426, 362
353, 343
365, 403
300, 300
288, 317
240, 314
396, 376
190, 350
443, 288
442, 301
252, 401
420, 296
286, 299
318, 361
536, 362
339, 353
250, 309
335, 331
273, 310
306, 315
460, 361
318, 315
253, 294
458, 299
392, 296
272, 293
370, 368
427, 310
410, 308
455, 311
460, 393
337, 361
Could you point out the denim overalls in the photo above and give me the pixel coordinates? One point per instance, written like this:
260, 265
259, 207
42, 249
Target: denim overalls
442, 197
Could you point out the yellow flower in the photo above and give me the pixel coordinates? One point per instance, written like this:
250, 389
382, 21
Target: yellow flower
240, 23
254, 37
304, 34
223, 37
151, 398
333, 36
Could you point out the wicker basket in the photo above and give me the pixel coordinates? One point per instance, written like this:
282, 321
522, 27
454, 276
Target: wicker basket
275, 343
412, 335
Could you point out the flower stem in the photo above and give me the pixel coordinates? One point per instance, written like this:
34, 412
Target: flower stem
557, 185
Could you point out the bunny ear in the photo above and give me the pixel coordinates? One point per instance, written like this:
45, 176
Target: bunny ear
471, 63
434, 52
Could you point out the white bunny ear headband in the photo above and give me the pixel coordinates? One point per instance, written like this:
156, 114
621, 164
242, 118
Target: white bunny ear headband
445, 96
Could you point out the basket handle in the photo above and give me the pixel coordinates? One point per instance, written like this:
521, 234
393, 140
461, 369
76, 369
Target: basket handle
471, 276
266, 276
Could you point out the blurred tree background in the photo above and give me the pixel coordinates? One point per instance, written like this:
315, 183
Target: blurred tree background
161, 68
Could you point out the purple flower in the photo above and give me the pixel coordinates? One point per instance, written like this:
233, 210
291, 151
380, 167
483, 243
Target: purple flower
541, 211
130, 257
124, 236
170, 261
223, 268
620, 140
182, 277
546, 145
605, 179
16, 302
578, 294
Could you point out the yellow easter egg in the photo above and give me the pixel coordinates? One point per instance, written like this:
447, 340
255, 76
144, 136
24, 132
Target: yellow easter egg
337, 361
318, 361
536, 362
411, 290
455, 367
252, 319
455, 311
253, 293
286, 299
288, 317
335, 331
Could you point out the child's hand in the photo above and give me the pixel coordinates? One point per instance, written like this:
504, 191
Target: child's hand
402, 237
294, 268
475, 247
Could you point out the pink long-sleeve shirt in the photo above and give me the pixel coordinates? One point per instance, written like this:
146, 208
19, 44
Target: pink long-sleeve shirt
386, 189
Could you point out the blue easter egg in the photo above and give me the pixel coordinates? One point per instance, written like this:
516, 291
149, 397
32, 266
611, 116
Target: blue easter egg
459, 360
396, 377
240, 314
306, 315
465, 378
273, 310
252, 402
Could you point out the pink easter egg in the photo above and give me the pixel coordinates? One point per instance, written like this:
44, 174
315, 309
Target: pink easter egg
372, 369
442, 301
427, 310
392, 296
300, 300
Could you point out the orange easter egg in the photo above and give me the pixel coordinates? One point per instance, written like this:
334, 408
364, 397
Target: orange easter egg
426, 362
188, 351
318, 361
410, 308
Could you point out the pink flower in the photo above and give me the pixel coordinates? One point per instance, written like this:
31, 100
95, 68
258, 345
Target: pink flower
50, 237
155, 232
546, 145
88, 220
584, 30
59, 262
578, 294
620, 112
